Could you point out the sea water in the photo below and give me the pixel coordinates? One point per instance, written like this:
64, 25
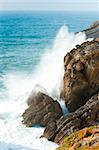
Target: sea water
32, 48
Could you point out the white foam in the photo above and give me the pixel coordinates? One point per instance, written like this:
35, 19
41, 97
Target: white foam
49, 75
63, 106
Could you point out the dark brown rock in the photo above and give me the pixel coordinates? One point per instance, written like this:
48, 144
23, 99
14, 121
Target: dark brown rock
81, 78
85, 116
42, 110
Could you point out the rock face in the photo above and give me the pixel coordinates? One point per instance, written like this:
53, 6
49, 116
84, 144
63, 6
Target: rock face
93, 30
81, 78
42, 110
85, 139
85, 116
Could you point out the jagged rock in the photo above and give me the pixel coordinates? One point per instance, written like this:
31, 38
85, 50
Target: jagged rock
85, 116
93, 30
42, 110
85, 139
81, 78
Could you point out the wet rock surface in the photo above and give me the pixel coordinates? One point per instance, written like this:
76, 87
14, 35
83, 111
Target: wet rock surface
85, 116
41, 111
81, 78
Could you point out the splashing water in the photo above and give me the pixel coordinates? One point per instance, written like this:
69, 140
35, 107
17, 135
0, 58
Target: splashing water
47, 78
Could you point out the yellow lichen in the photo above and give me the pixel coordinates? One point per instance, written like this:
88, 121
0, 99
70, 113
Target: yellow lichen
81, 140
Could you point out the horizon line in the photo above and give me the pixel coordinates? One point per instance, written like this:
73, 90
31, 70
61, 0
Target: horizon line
64, 10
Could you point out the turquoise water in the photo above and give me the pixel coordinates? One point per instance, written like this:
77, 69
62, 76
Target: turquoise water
24, 35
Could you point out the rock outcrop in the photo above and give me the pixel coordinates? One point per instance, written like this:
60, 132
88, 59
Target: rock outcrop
41, 111
85, 139
93, 30
85, 116
81, 78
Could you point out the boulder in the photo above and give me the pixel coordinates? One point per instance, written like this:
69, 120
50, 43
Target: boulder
85, 139
85, 116
41, 111
81, 78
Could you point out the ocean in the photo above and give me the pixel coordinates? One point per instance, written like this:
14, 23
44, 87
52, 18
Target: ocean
32, 48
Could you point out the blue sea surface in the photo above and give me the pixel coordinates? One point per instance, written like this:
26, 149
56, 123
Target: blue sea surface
24, 35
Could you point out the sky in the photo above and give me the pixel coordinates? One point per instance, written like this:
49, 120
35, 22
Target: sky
32, 5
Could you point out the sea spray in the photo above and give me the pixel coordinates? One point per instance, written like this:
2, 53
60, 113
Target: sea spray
47, 77
49, 73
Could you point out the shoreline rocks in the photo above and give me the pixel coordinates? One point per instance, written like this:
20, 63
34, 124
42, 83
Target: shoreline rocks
93, 30
41, 111
85, 116
85, 139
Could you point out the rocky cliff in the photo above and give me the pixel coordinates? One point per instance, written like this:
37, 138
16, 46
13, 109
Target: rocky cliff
81, 78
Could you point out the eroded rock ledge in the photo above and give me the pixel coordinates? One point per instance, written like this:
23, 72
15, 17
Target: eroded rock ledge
85, 116
85, 139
